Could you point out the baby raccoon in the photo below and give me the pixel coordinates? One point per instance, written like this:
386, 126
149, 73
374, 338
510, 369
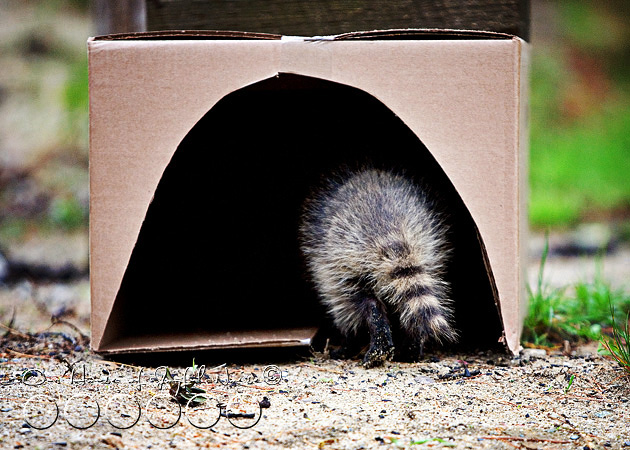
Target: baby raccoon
376, 251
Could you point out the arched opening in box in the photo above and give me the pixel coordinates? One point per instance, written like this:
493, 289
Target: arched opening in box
218, 252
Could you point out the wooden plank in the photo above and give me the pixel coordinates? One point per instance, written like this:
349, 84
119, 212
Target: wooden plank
118, 16
324, 17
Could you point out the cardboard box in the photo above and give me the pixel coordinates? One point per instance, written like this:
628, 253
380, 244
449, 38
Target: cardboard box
203, 147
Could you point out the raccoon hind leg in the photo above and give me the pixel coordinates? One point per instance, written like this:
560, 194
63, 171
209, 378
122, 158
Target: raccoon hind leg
381, 347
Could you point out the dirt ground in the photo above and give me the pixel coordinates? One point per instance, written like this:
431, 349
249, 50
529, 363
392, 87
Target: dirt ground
466, 401
534, 400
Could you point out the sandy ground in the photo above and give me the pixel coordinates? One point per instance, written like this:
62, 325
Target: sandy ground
534, 400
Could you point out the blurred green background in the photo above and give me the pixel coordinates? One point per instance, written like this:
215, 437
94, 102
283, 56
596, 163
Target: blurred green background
43, 118
580, 112
580, 115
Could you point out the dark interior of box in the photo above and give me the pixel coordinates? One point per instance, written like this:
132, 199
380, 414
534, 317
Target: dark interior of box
218, 249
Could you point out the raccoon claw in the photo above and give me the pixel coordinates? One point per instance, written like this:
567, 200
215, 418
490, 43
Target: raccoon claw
376, 356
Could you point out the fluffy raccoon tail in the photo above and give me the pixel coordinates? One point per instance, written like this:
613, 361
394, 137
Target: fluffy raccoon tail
411, 282
425, 310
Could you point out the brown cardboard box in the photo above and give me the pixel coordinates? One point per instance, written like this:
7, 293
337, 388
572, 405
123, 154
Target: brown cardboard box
204, 145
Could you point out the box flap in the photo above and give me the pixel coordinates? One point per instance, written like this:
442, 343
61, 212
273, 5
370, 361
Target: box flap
394, 34
291, 337
186, 35
421, 34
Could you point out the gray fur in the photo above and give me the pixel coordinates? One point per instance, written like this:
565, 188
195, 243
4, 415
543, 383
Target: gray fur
374, 236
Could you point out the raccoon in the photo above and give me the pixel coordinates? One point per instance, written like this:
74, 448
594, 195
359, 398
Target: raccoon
376, 249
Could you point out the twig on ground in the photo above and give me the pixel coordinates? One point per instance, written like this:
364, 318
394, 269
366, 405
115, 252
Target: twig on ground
16, 332
55, 321
563, 418
524, 439
26, 355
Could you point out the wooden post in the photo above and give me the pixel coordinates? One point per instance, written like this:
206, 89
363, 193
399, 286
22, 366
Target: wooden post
312, 17
322, 17
119, 16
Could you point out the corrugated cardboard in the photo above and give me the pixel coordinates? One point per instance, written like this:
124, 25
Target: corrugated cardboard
201, 142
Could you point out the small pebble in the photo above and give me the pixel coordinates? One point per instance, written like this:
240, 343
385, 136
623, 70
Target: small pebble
424, 380
534, 353
113, 441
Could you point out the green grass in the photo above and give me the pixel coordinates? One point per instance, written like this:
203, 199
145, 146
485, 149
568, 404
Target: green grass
617, 346
75, 101
67, 213
576, 313
580, 167
580, 116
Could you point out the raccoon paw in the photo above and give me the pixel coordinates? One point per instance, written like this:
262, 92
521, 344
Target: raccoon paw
376, 356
